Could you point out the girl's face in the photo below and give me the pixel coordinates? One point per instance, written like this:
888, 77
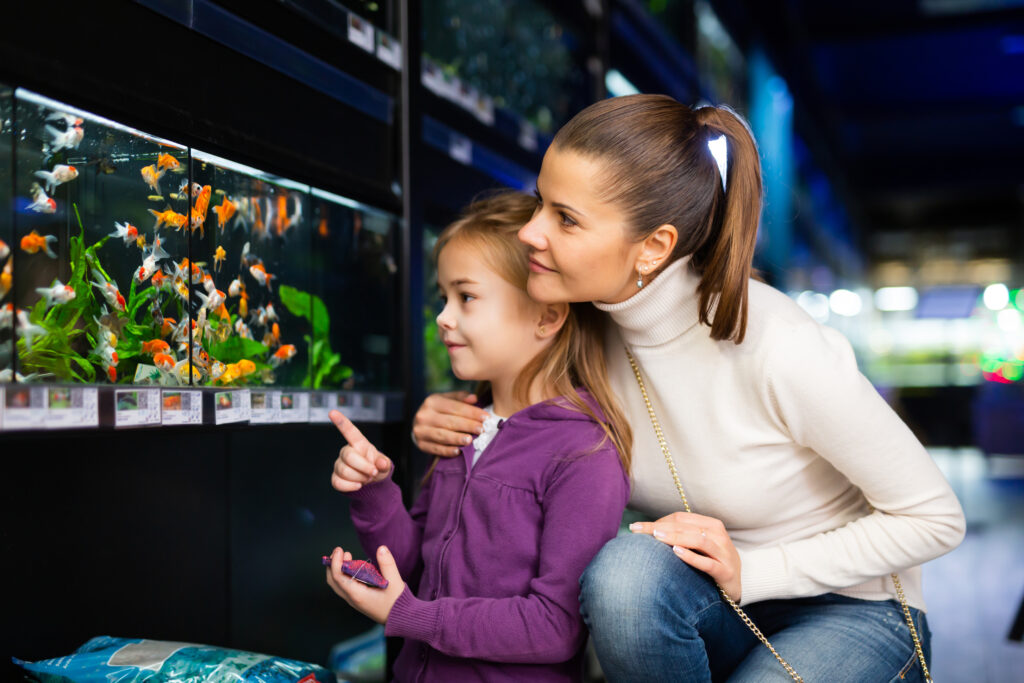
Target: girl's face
579, 249
489, 325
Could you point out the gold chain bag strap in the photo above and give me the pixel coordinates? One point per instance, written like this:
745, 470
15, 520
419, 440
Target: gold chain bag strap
732, 603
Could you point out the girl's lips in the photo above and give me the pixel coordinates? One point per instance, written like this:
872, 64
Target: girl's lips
538, 268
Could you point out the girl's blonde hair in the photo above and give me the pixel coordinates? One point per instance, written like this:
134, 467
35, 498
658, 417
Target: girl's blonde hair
575, 358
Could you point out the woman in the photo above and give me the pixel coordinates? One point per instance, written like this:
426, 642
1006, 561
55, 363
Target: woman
816, 504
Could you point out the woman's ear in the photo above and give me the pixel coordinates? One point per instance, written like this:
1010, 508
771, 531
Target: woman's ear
658, 247
552, 317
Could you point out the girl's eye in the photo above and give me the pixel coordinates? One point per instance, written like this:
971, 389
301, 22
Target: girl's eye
567, 221
466, 298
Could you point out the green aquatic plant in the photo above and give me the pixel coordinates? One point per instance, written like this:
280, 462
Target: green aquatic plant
325, 366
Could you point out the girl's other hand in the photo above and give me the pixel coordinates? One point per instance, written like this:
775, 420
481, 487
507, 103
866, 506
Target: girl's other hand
445, 422
375, 603
359, 462
701, 542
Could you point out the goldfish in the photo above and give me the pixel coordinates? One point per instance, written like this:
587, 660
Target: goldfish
152, 177
219, 256
199, 210
150, 262
61, 139
167, 162
243, 304
283, 355
270, 313
181, 372
155, 197
6, 315
155, 346
110, 293
70, 120
125, 231
170, 218
58, 176
167, 326
6, 279
33, 242
159, 279
222, 313
217, 369
281, 224
260, 274
246, 367
229, 374
208, 284
236, 287
322, 228
242, 330
212, 301
59, 293
180, 288
140, 242
4, 250
164, 361
273, 337
224, 212
41, 202
112, 373
28, 330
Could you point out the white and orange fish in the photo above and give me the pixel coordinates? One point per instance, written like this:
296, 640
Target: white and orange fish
160, 280
28, 330
59, 293
4, 250
242, 330
41, 202
283, 355
150, 264
151, 176
33, 242
213, 301
6, 279
271, 314
65, 139
70, 120
58, 176
125, 231
164, 361
236, 287
260, 274
180, 288
111, 293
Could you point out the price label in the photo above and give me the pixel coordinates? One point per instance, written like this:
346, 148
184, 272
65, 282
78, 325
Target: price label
360, 32
232, 406
294, 406
460, 148
265, 407
182, 407
320, 404
389, 51
136, 407
71, 407
25, 407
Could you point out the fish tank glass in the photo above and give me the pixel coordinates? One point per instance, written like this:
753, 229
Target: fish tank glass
6, 235
356, 295
130, 259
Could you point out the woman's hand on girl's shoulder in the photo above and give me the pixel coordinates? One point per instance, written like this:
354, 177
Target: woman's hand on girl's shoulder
445, 422
701, 542
359, 462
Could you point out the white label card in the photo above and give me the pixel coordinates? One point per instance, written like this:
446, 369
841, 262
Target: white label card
389, 51
266, 406
182, 407
136, 407
72, 407
360, 32
231, 406
294, 406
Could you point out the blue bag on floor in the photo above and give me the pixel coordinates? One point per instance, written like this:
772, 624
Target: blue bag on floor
134, 660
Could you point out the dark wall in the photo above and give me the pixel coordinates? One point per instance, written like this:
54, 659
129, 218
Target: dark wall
210, 536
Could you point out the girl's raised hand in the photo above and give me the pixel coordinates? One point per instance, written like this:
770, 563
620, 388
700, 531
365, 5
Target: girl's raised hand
359, 462
701, 542
447, 421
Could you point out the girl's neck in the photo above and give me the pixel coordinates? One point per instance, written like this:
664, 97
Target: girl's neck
506, 403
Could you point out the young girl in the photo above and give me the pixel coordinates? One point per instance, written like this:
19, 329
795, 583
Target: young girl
779, 480
497, 540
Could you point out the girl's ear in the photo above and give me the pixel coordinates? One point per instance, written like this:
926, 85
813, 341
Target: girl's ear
552, 317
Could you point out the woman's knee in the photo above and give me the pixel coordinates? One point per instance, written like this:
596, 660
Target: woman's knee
637, 576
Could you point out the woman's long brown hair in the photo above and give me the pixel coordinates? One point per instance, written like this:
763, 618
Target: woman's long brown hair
575, 357
658, 170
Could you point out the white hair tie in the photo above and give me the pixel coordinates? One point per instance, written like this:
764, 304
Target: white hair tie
719, 151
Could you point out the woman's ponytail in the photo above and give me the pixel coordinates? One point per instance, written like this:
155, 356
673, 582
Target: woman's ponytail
724, 261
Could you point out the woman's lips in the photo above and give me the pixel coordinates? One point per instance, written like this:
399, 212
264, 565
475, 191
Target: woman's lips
539, 268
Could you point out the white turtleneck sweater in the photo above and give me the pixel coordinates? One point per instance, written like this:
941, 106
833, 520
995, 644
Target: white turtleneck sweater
782, 439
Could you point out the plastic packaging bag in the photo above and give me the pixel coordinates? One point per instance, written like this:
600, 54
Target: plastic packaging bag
134, 660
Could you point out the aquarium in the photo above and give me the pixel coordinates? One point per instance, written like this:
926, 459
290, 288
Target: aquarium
356, 295
6, 236
144, 262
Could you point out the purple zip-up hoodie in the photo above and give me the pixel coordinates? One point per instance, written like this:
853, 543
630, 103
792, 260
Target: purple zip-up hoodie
497, 549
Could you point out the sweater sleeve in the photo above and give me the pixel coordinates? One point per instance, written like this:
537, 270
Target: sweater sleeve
380, 518
582, 508
828, 406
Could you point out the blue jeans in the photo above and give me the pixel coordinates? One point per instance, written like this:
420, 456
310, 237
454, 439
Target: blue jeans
652, 617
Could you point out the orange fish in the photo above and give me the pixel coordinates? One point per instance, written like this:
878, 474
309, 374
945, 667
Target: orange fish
159, 279
140, 242
223, 314
167, 327
169, 217
155, 346
281, 222
322, 229
219, 256
33, 242
199, 210
152, 177
260, 274
112, 374
224, 212
163, 361
167, 162
243, 304
246, 367
6, 278
283, 354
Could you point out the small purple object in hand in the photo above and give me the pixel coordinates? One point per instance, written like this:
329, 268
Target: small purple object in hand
360, 570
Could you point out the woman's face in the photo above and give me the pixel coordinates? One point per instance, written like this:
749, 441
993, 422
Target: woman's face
579, 248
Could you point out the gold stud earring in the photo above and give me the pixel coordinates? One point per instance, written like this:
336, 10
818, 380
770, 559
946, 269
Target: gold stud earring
542, 330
